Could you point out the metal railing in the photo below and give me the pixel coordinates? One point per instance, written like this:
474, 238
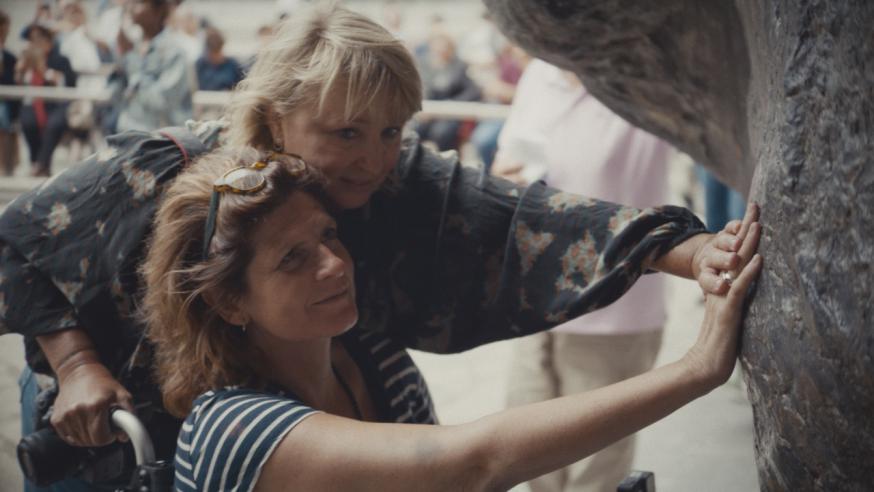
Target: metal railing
18, 92
211, 100
204, 100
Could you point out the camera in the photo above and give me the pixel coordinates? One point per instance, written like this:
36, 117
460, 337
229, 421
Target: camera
45, 458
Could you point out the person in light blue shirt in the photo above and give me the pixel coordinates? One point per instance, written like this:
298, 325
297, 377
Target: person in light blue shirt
154, 82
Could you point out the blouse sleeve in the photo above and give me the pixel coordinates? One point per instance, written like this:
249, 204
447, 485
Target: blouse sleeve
70, 248
229, 436
30, 304
464, 259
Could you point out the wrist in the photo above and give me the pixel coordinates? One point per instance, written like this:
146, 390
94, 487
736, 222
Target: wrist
697, 244
697, 373
77, 362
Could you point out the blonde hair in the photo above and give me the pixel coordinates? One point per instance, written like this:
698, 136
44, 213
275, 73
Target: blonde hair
195, 348
313, 51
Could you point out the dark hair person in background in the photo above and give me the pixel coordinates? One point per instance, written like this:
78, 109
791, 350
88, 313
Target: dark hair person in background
215, 71
43, 122
154, 80
8, 109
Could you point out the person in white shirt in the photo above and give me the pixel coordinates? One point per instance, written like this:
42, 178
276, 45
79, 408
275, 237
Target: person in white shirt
558, 131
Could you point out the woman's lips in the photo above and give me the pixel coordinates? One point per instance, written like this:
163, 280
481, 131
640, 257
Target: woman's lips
359, 184
333, 297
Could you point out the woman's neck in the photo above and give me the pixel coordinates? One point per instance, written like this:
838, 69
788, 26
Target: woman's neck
304, 368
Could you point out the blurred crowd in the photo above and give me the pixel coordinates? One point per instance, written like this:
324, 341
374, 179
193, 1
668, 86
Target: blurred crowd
153, 55
482, 66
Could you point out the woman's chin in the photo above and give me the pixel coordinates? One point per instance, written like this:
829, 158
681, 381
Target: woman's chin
349, 324
350, 197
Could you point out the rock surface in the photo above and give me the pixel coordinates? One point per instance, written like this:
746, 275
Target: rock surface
776, 97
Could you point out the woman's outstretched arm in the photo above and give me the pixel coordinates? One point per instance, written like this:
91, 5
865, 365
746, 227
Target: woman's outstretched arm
449, 259
326, 452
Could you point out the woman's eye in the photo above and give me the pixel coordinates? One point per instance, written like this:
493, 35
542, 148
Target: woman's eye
293, 259
391, 132
347, 133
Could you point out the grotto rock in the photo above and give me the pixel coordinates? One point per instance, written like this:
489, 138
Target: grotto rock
777, 98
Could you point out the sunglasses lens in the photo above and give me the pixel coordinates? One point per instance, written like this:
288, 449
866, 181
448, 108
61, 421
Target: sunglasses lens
244, 179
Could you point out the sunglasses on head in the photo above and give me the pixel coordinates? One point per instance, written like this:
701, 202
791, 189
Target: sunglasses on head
243, 180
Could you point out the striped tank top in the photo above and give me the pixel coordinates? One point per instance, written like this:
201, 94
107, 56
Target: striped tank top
231, 432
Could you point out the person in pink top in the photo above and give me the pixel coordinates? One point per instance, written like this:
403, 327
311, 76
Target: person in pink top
559, 132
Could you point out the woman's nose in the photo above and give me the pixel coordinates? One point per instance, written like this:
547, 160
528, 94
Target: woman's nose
373, 159
331, 265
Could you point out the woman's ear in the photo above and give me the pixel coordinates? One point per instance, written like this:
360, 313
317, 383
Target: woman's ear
228, 309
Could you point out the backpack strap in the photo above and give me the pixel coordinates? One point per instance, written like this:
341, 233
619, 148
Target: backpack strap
189, 145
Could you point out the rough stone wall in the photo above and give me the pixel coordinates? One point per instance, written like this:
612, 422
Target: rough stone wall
777, 97
809, 337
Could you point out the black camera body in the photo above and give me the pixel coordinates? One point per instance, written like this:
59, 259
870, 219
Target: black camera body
45, 458
638, 481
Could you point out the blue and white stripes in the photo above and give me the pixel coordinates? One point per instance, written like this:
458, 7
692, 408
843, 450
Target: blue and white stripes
230, 433
229, 436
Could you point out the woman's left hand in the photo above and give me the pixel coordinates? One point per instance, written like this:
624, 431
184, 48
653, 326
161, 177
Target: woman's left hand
723, 252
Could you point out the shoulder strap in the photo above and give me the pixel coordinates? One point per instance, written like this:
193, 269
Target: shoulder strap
186, 141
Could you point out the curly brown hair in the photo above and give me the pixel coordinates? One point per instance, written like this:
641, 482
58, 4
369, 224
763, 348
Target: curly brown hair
196, 349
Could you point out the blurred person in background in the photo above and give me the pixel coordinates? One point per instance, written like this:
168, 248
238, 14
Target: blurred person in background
445, 78
83, 51
8, 108
557, 127
44, 15
186, 26
110, 18
43, 122
264, 34
215, 71
154, 80
76, 42
499, 87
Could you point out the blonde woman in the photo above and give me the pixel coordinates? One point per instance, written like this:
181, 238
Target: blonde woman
250, 301
446, 259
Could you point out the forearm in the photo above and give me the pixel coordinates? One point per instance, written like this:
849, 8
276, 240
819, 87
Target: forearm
492, 453
678, 261
529, 441
68, 350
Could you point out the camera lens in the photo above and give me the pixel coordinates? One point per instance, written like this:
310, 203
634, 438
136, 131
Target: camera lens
45, 458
